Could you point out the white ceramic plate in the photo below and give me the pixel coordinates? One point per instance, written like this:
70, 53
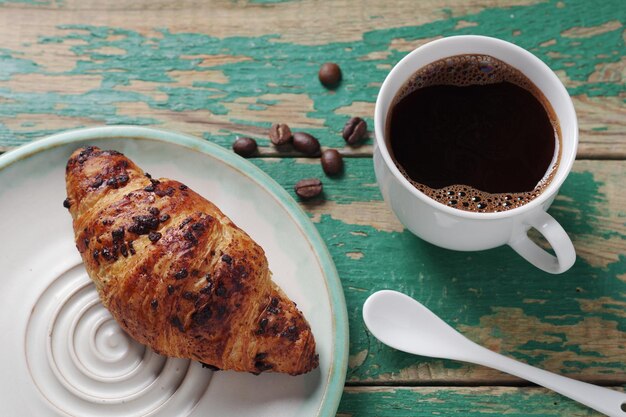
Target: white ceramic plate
63, 354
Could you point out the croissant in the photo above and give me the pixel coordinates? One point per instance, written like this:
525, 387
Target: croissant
177, 274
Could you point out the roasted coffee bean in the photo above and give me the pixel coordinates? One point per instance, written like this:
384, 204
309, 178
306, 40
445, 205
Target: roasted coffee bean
245, 146
332, 162
308, 188
330, 74
354, 130
280, 134
305, 143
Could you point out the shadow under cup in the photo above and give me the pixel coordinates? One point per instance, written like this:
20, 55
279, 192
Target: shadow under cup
457, 229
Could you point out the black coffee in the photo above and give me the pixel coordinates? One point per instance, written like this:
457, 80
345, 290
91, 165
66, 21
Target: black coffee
474, 133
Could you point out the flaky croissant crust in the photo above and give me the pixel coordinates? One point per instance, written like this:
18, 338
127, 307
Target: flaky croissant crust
177, 274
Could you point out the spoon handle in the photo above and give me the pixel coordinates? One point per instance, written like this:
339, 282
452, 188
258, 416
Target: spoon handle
604, 400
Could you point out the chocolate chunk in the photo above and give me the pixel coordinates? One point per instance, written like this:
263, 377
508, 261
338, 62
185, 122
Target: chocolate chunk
144, 224
97, 183
185, 222
169, 191
207, 289
262, 366
175, 321
112, 182
66, 203
154, 236
85, 154
122, 179
262, 326
202, 316
291, 333
227, 259
190, 237
118, 234
107, 254
188, 295
181, 274
154, 304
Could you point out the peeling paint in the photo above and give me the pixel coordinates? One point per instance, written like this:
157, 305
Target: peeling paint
258, 66
357, 359
458, 402
467, 290
240, 85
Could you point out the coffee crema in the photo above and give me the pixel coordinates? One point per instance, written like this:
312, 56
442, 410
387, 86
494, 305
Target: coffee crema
474, 133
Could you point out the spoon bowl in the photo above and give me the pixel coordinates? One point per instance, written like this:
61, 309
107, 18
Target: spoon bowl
401, 322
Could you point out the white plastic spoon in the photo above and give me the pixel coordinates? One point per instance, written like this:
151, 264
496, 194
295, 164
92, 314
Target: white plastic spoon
401, 322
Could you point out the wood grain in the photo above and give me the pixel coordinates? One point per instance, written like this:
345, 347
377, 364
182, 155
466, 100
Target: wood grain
220, 69
86, 63
573, 324
457, 401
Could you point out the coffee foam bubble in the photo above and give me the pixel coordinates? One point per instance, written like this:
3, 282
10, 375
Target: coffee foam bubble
465, 197
465, 70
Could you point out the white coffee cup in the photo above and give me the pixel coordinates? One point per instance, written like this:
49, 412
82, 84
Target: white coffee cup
457, 229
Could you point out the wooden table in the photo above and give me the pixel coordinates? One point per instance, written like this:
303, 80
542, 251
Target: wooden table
226, 68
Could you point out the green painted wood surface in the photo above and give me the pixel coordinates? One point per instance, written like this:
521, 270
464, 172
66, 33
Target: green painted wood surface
462, 402
220, 69
234, 84
574, 323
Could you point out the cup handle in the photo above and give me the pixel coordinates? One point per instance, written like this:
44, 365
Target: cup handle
554, 234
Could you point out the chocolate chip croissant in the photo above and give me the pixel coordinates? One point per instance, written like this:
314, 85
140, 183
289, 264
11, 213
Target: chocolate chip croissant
177, 274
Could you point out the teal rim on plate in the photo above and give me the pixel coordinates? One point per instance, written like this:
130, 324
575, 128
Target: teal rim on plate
337, 372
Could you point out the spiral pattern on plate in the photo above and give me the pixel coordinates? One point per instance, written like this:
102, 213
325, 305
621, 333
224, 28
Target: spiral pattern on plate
83, 363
